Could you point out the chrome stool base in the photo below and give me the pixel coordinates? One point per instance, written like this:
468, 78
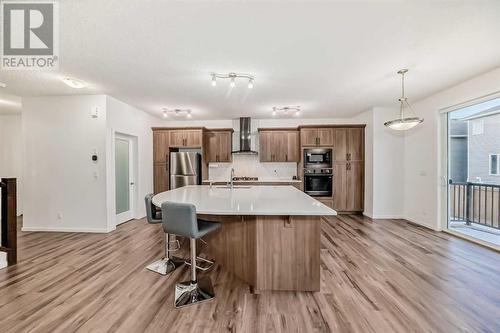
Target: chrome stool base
209, 263
166, 265
189, 293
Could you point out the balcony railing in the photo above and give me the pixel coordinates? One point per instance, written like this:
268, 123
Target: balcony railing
475, 203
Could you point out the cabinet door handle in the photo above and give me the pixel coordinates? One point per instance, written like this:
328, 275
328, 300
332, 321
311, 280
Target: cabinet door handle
286, 157
319, 140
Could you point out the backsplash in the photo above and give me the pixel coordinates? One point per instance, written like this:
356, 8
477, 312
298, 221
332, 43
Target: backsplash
250, 166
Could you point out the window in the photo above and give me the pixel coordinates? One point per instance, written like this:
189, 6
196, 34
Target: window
494, 165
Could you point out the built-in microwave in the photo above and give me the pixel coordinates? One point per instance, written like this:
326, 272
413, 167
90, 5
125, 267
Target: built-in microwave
318, 158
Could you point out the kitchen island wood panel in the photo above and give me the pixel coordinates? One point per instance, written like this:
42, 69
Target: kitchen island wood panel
268, 252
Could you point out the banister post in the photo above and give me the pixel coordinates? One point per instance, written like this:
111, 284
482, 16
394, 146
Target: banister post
467, 203
9, 219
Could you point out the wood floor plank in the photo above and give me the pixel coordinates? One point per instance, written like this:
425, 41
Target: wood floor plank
376, 276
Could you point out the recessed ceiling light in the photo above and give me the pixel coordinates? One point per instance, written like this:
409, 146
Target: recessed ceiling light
2, 85
74, 83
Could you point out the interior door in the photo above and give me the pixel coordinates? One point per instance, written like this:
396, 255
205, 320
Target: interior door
124, 182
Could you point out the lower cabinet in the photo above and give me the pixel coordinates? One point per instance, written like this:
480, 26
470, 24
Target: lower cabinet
160, 177
348, 189
326, 202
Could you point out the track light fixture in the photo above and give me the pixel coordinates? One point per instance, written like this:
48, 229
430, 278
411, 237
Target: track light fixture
287, 110
232, 77
177, 112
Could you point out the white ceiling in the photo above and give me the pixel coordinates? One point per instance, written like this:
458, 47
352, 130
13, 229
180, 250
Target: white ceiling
335, 59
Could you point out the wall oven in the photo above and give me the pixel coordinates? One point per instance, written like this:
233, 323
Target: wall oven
318, 182
318, 158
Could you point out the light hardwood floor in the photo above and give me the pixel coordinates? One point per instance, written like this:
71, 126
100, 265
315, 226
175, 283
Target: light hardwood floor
383, 276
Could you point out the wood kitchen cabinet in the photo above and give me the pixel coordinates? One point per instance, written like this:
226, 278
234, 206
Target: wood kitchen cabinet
160, 175
186, 138
219, 145
316, 137
279, 146
348, 188
349, 144
160, 146
348, 169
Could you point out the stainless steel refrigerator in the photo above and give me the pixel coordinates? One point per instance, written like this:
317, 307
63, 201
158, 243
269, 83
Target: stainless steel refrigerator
185, 169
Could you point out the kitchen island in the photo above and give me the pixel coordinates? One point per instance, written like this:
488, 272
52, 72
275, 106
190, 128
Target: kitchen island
270, 235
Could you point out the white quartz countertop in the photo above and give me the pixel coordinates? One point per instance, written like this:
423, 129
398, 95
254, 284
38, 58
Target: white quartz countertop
246, 200
285, 181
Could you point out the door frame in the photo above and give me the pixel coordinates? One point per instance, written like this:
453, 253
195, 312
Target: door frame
133, 177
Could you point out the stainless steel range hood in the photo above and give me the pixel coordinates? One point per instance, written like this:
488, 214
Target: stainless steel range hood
245, 137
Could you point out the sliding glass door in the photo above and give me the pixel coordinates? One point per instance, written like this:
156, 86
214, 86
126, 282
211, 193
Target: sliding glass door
473, 171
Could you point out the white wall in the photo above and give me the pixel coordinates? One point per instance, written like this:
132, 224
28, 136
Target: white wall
126, 119
387, 169
64, 190
11, 152
422, 160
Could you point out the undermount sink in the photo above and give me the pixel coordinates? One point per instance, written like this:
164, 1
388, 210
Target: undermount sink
234, 187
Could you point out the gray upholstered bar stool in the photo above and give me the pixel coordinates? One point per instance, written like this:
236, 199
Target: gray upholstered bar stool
180, 219
168, 263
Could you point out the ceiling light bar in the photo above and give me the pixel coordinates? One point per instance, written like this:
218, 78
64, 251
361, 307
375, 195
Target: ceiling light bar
74, 83
177, 112
287, 110
232, 77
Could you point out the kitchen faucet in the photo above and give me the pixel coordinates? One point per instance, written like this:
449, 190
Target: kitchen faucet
232, 178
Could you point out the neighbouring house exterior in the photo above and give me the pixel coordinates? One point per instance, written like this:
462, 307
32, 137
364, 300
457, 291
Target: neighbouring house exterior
458, 150
484, 146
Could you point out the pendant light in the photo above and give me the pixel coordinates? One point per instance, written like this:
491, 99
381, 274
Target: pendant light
403, 123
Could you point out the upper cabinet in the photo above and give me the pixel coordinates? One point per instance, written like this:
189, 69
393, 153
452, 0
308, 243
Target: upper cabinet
349, 144
185, 138
219, 145
316, 137
279, 145
160, 146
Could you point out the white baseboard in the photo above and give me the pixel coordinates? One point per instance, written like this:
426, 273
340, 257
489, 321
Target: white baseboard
55, 229
389, 217
422, 224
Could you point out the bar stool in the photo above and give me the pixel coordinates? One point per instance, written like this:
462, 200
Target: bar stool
180, 219
168, 263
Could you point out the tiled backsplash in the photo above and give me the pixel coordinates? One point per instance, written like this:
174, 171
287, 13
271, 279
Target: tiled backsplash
250, 166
